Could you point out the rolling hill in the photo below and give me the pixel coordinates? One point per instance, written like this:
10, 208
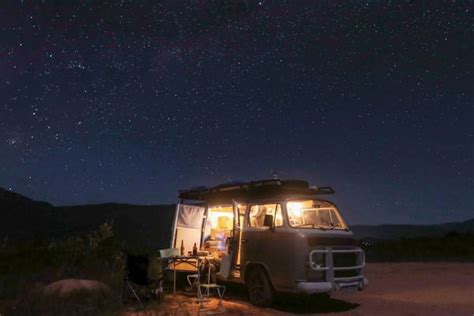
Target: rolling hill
24, 218
150, 225
389, 231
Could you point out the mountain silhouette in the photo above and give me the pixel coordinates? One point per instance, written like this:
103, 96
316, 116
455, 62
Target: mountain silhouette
25, 219
150, 225
397, 231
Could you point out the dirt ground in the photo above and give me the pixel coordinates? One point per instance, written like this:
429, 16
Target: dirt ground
394, 289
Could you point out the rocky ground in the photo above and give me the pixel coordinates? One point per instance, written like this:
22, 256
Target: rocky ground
394, 289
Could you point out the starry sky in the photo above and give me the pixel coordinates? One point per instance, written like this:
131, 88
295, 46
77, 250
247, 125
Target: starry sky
129, 101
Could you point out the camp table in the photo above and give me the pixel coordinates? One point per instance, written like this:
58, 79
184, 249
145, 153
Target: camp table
194, 261
191, 260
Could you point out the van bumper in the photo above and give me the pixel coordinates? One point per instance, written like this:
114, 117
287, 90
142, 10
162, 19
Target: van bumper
324, 287
314, 287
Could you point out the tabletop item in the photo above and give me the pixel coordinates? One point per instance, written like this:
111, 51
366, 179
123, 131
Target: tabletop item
170, 252
182, 248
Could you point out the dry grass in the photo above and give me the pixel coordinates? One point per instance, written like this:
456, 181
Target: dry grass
394, 289
416, 289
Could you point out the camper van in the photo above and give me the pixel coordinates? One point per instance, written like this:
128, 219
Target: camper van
272, 236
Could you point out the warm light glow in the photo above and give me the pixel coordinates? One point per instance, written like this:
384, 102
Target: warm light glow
294, 208
309, 214
214, 217
216, 212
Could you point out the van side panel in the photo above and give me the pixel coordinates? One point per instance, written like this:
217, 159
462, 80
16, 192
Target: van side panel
279, 252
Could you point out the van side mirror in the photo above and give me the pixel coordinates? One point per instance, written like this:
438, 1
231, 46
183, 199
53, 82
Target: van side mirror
268, 221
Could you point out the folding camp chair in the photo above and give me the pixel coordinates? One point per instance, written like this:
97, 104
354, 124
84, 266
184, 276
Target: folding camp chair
192, 279
224, 270
220, 289
137, 281
223, 275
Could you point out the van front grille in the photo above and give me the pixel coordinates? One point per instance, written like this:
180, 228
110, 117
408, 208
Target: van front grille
346, 273
345, 259
346, 263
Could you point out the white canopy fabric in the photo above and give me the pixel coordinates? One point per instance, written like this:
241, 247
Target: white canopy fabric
190, 216
189, 222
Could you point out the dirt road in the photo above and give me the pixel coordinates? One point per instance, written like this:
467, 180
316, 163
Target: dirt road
415, 289
394, 289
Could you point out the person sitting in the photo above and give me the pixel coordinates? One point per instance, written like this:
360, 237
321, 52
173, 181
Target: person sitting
259, 218
221, 241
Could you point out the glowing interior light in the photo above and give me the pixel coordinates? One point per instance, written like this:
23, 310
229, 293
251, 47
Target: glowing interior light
220, 211
294, 208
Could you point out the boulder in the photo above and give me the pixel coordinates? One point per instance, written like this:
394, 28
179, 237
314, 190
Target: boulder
69, 286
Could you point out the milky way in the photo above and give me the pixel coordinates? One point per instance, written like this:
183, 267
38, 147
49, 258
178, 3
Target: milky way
130, 101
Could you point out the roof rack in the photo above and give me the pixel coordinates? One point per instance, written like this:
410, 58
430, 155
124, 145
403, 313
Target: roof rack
244, 191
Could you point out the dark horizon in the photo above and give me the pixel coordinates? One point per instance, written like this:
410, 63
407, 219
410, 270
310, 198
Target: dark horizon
130, 102
176, 201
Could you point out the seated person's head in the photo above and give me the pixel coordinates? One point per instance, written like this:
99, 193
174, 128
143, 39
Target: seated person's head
260, 217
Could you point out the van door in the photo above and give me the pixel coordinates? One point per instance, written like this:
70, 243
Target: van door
187, 228
239, 216
259, 242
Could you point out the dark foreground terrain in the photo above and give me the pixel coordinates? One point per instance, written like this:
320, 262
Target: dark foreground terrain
416, 289
395, 289
41, 244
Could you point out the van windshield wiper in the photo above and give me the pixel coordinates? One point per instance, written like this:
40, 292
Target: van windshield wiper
321, 227
303, 225
338, 228
312, 226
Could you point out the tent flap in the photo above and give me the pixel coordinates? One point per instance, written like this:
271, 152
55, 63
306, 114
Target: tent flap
190, 216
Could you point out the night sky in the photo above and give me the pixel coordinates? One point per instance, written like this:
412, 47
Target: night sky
129, 101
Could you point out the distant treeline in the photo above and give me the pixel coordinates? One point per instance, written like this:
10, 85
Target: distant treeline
451, 247
98, 254
95, 255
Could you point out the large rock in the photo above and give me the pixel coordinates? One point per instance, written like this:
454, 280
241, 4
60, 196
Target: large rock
69, 286
68, 297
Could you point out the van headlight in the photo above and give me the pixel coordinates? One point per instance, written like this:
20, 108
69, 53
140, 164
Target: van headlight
317, 260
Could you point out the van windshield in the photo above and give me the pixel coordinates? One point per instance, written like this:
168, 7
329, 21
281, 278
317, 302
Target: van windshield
311, 214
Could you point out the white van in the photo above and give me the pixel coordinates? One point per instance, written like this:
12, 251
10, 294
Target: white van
277, 235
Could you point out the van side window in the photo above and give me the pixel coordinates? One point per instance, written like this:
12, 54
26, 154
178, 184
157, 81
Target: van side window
257, 214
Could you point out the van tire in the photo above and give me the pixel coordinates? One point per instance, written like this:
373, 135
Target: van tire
259, 287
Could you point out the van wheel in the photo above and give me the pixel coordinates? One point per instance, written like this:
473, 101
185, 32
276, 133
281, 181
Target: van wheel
259, 287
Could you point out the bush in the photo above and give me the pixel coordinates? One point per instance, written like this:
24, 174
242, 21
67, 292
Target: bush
27, 266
